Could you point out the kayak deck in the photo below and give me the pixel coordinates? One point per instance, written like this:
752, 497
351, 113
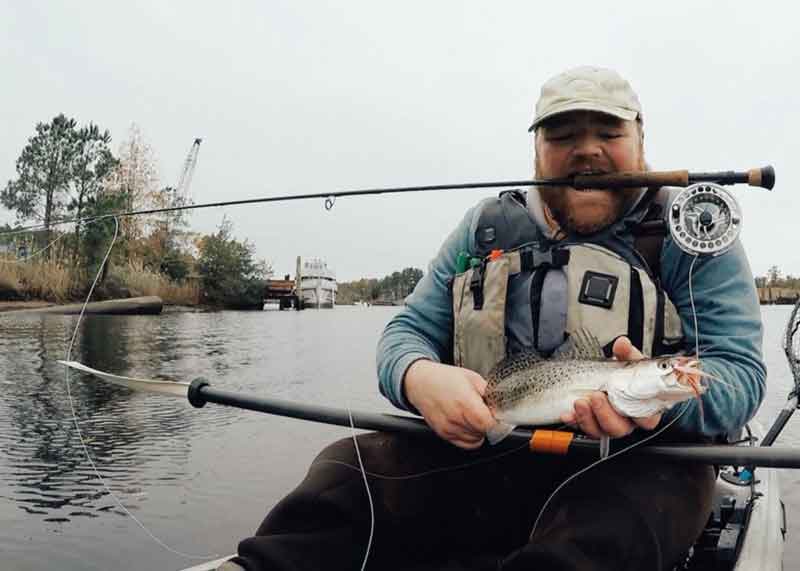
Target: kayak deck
210, 565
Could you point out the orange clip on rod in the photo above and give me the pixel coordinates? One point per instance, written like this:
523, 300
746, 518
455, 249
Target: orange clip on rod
550, 441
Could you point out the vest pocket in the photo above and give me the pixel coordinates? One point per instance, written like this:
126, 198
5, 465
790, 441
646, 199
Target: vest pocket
479, 311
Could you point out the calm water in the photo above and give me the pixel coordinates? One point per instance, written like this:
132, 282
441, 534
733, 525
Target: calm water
199, 480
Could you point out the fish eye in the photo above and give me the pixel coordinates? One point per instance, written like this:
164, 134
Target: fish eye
663, 365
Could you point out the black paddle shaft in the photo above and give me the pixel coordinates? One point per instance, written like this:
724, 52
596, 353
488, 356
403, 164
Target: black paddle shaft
200, 392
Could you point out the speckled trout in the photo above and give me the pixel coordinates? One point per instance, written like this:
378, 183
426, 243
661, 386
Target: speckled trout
526, 389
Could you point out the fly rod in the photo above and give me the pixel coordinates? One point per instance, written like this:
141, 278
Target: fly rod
199, 392
760, 177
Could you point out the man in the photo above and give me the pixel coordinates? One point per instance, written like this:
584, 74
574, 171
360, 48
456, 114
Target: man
541, 269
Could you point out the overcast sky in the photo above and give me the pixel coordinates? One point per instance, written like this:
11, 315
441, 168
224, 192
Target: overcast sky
295, 97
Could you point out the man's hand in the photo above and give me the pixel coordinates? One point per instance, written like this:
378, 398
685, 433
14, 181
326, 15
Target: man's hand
597, 418
451, 400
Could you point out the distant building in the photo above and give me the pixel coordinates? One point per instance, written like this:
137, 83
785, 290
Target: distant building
778, 295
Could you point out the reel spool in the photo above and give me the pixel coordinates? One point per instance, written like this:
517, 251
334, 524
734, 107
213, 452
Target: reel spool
705, 219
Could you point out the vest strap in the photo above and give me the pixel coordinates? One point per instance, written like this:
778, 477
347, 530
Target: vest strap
552, 324
537, 283
532, 258
476, 285
635, 311
658, 337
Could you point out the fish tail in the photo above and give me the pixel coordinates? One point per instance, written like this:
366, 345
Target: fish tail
498, 432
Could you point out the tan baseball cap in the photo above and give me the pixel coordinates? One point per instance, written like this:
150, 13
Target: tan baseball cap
587, 88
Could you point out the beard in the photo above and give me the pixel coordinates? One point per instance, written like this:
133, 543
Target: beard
587, 211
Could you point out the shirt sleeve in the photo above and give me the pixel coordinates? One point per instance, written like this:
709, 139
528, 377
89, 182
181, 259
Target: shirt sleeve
423, 328
725, 323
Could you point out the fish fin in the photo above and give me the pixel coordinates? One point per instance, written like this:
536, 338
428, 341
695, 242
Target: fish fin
513, 363
498, 432
582, 344
605, 446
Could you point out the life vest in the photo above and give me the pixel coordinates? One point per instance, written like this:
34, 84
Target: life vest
525, 291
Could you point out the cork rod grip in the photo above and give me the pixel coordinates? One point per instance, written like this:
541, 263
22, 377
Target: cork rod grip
632, 179
763, 177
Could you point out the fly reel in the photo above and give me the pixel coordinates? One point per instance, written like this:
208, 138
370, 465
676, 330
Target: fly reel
705, 219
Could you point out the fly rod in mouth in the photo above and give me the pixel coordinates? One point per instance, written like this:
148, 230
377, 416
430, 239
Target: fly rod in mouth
199, 392
760, 177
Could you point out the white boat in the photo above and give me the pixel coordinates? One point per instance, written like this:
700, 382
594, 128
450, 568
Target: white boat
316, 283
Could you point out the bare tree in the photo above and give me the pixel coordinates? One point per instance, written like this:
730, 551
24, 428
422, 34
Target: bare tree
135, 179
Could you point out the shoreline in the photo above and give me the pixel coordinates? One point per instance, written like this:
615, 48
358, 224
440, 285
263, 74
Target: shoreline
13, 306
18, 305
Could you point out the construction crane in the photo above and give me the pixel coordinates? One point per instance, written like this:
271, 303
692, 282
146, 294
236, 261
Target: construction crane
182, 190
177, 196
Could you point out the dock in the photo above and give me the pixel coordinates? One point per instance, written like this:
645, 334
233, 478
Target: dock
283, 291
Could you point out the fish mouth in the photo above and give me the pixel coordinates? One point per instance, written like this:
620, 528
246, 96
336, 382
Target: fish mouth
688, 374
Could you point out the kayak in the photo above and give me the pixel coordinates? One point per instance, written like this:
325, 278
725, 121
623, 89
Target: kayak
747, 527
209, 565
746, 530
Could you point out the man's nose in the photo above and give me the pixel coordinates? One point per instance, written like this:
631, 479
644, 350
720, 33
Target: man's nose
588, 145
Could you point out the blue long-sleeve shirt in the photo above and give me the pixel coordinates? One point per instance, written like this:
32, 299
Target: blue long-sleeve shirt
729, 329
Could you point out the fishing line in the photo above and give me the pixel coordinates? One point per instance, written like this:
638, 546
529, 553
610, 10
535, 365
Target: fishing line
34, 254
366, 483
685, 407
694, 311
77, 425
630, 447
734, 388
416, 475
364, 473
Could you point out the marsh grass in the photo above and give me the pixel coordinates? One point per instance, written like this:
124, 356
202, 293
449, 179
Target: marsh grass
57, 280
40, 278
140, 281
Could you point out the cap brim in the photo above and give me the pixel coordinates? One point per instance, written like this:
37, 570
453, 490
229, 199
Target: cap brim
620, 112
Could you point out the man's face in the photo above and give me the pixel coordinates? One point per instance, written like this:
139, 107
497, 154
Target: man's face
583, 142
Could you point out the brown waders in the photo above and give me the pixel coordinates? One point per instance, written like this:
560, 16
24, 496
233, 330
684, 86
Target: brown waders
625, 514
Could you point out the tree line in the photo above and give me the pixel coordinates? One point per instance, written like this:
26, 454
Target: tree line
389, 289
775, 278
67, 170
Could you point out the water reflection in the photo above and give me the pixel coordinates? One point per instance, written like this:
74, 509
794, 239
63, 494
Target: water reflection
45, 470
198, 479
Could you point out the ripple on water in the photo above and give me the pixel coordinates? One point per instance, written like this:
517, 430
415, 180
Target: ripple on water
198, 479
